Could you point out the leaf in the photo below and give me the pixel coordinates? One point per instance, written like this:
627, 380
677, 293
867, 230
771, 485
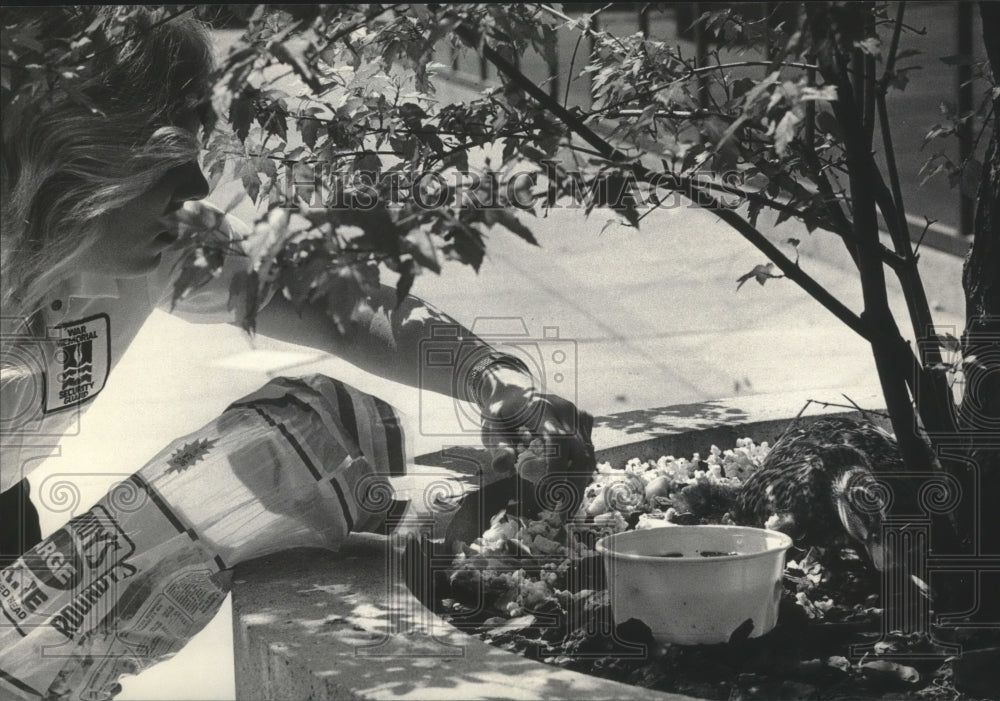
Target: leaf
251, 183
923, 587
900, 79
762, 273
273, 121
938, 163
404, 146
243, 289
839, 662
936, 131
432, 141
215, 172
748, 102
950, 343
694, 156
412, 114
884, 670
241, 115
784, 133
727, 153
616, 191
195, 272
266, 166
459, 160
283, 51
828, 124
827, 93
871, 46
514, 225
419, 245
512, 626
309, 131
466, 245
368, 163
405, 283
741, 87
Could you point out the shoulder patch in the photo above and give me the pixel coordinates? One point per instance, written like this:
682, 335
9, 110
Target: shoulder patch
79, 366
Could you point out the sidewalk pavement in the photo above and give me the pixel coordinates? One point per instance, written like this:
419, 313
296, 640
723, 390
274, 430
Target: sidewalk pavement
653, 314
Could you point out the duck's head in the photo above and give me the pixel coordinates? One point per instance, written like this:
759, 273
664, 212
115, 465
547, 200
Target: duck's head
861, 502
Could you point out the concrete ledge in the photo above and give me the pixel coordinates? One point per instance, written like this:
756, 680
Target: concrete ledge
316, 625
311, 624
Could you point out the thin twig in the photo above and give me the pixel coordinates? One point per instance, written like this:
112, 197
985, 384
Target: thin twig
572, 64
923, 233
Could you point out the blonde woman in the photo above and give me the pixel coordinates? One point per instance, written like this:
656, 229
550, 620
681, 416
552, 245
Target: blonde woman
87, 256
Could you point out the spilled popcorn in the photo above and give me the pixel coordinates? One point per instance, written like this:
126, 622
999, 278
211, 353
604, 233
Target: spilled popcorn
537, 587
518, 564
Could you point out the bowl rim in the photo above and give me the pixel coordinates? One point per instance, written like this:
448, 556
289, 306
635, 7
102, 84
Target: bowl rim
601, 546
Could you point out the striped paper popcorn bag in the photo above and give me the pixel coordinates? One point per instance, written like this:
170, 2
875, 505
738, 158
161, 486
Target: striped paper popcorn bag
299, 463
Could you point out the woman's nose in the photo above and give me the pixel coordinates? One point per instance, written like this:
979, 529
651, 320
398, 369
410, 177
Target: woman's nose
189, 183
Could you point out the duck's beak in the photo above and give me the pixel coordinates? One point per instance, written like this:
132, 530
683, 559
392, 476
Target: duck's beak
878, 554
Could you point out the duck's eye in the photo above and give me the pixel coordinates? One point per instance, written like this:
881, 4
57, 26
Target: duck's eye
869, 500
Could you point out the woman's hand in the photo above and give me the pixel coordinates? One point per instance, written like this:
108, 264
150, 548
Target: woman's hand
542, 437
538, 441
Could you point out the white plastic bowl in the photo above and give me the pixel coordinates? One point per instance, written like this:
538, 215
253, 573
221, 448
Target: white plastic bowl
693, 599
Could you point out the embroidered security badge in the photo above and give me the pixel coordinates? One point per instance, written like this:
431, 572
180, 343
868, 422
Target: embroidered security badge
80, 364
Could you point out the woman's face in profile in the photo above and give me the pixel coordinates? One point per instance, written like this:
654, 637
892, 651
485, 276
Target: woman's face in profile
132, 238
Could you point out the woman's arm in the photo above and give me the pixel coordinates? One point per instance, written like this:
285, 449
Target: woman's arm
421, 346
387, 340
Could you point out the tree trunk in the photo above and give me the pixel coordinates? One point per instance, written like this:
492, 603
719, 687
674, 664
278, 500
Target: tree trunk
980, 412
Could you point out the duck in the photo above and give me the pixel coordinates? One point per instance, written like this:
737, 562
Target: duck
818, 485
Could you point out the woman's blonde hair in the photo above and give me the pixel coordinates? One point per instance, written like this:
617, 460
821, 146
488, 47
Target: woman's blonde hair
68, 158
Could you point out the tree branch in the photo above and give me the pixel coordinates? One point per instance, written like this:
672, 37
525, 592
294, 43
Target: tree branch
896, 381
685, 185
890, 61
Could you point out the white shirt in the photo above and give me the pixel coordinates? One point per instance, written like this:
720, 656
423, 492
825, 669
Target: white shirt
84, 328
